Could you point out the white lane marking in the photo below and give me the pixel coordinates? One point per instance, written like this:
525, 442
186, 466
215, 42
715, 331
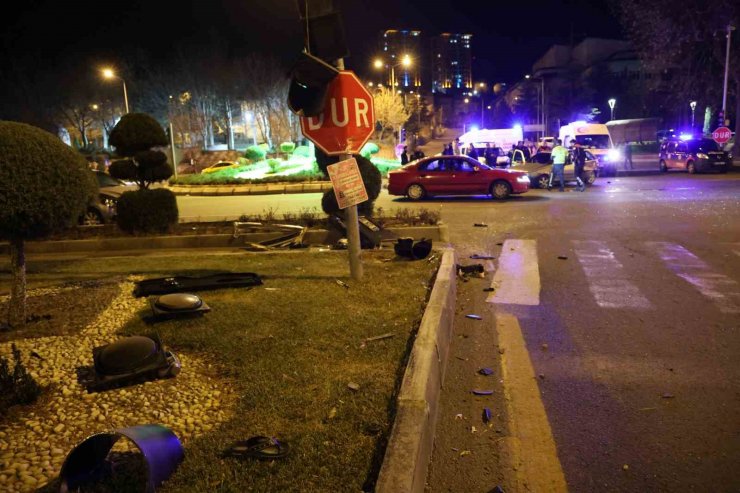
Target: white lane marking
725, 292
607, 278
530, 446
517, 280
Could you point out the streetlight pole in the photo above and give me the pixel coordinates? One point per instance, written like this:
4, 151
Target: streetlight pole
730, 28
692, 105
125, 95
109, 74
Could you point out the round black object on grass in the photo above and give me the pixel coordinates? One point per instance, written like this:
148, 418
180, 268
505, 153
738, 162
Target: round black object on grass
127, 355
178, 302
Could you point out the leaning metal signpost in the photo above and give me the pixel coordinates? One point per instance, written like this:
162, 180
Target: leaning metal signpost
342, 128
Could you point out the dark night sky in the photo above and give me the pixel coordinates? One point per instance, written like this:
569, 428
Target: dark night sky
508, 36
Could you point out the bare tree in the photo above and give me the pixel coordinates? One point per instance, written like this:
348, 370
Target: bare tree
686, 41
389, 111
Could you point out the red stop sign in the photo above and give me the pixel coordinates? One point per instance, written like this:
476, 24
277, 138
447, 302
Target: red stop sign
722, 135
348, 119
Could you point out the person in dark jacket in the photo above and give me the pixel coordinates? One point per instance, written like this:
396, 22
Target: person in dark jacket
579, 162
405, 155
473, 152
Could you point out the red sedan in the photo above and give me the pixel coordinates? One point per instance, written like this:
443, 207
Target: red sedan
454, 175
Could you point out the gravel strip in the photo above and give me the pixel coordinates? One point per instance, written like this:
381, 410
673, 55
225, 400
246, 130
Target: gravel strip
34, 445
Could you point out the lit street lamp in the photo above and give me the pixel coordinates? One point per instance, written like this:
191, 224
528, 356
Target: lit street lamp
612, 103
405, 62
692, 105
109, 74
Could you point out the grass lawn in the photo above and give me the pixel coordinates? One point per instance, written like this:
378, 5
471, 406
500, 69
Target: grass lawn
290, 347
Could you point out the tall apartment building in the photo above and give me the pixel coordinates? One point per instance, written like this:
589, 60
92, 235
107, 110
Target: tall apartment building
452, 64
399, 43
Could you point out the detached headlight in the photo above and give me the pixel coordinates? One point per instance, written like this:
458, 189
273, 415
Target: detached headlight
613, 155
701, 155
522, 179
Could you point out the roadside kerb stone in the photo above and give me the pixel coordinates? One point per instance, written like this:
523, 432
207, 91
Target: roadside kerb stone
409, 449
312, 237
251, 189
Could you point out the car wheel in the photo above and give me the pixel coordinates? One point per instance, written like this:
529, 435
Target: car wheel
691, 167
500, 190
415, 192
663, 167
92, 217
590, 178
542, 181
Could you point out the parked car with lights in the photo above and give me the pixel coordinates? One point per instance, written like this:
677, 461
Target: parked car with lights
219, 166
102, 209
693, 155
539, 167
455, 175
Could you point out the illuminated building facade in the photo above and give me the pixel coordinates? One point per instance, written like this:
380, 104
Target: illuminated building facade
397, 43
452, 63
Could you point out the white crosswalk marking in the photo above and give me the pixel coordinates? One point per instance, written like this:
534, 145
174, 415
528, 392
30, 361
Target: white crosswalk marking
607, 278
517, 280
724, 291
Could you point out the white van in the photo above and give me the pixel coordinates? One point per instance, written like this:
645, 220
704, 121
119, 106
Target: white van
503, 138
594, 137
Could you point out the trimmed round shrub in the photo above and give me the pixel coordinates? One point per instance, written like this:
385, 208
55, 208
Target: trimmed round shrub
147, 211
302, 151
373, 183
133, 137
369, 149
137, 132
255, 153
287, 147
275, 165
45, 185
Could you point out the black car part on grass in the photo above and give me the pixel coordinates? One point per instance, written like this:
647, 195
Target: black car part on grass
128, 361
370, 233
176, 305
291, 235
258, 447
183, 284
91, 461
415, 250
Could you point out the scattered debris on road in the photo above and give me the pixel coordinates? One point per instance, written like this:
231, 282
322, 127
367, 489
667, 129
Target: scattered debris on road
342, 283
473, 316
353, 386
486, 415
480, 225
485, 371
562, 257
477, 256
482, 392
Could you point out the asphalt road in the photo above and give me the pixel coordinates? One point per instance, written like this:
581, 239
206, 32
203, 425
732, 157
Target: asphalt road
633, 339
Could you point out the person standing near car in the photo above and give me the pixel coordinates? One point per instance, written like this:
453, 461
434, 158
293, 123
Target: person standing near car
405, 156
579, 163
627, 156
559, 155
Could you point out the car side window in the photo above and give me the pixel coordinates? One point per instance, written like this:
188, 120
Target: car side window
671, 147
464, 166
433, 165
682, 147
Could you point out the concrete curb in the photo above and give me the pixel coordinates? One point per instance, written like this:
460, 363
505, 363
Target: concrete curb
409, 450
312, 237
258, 189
